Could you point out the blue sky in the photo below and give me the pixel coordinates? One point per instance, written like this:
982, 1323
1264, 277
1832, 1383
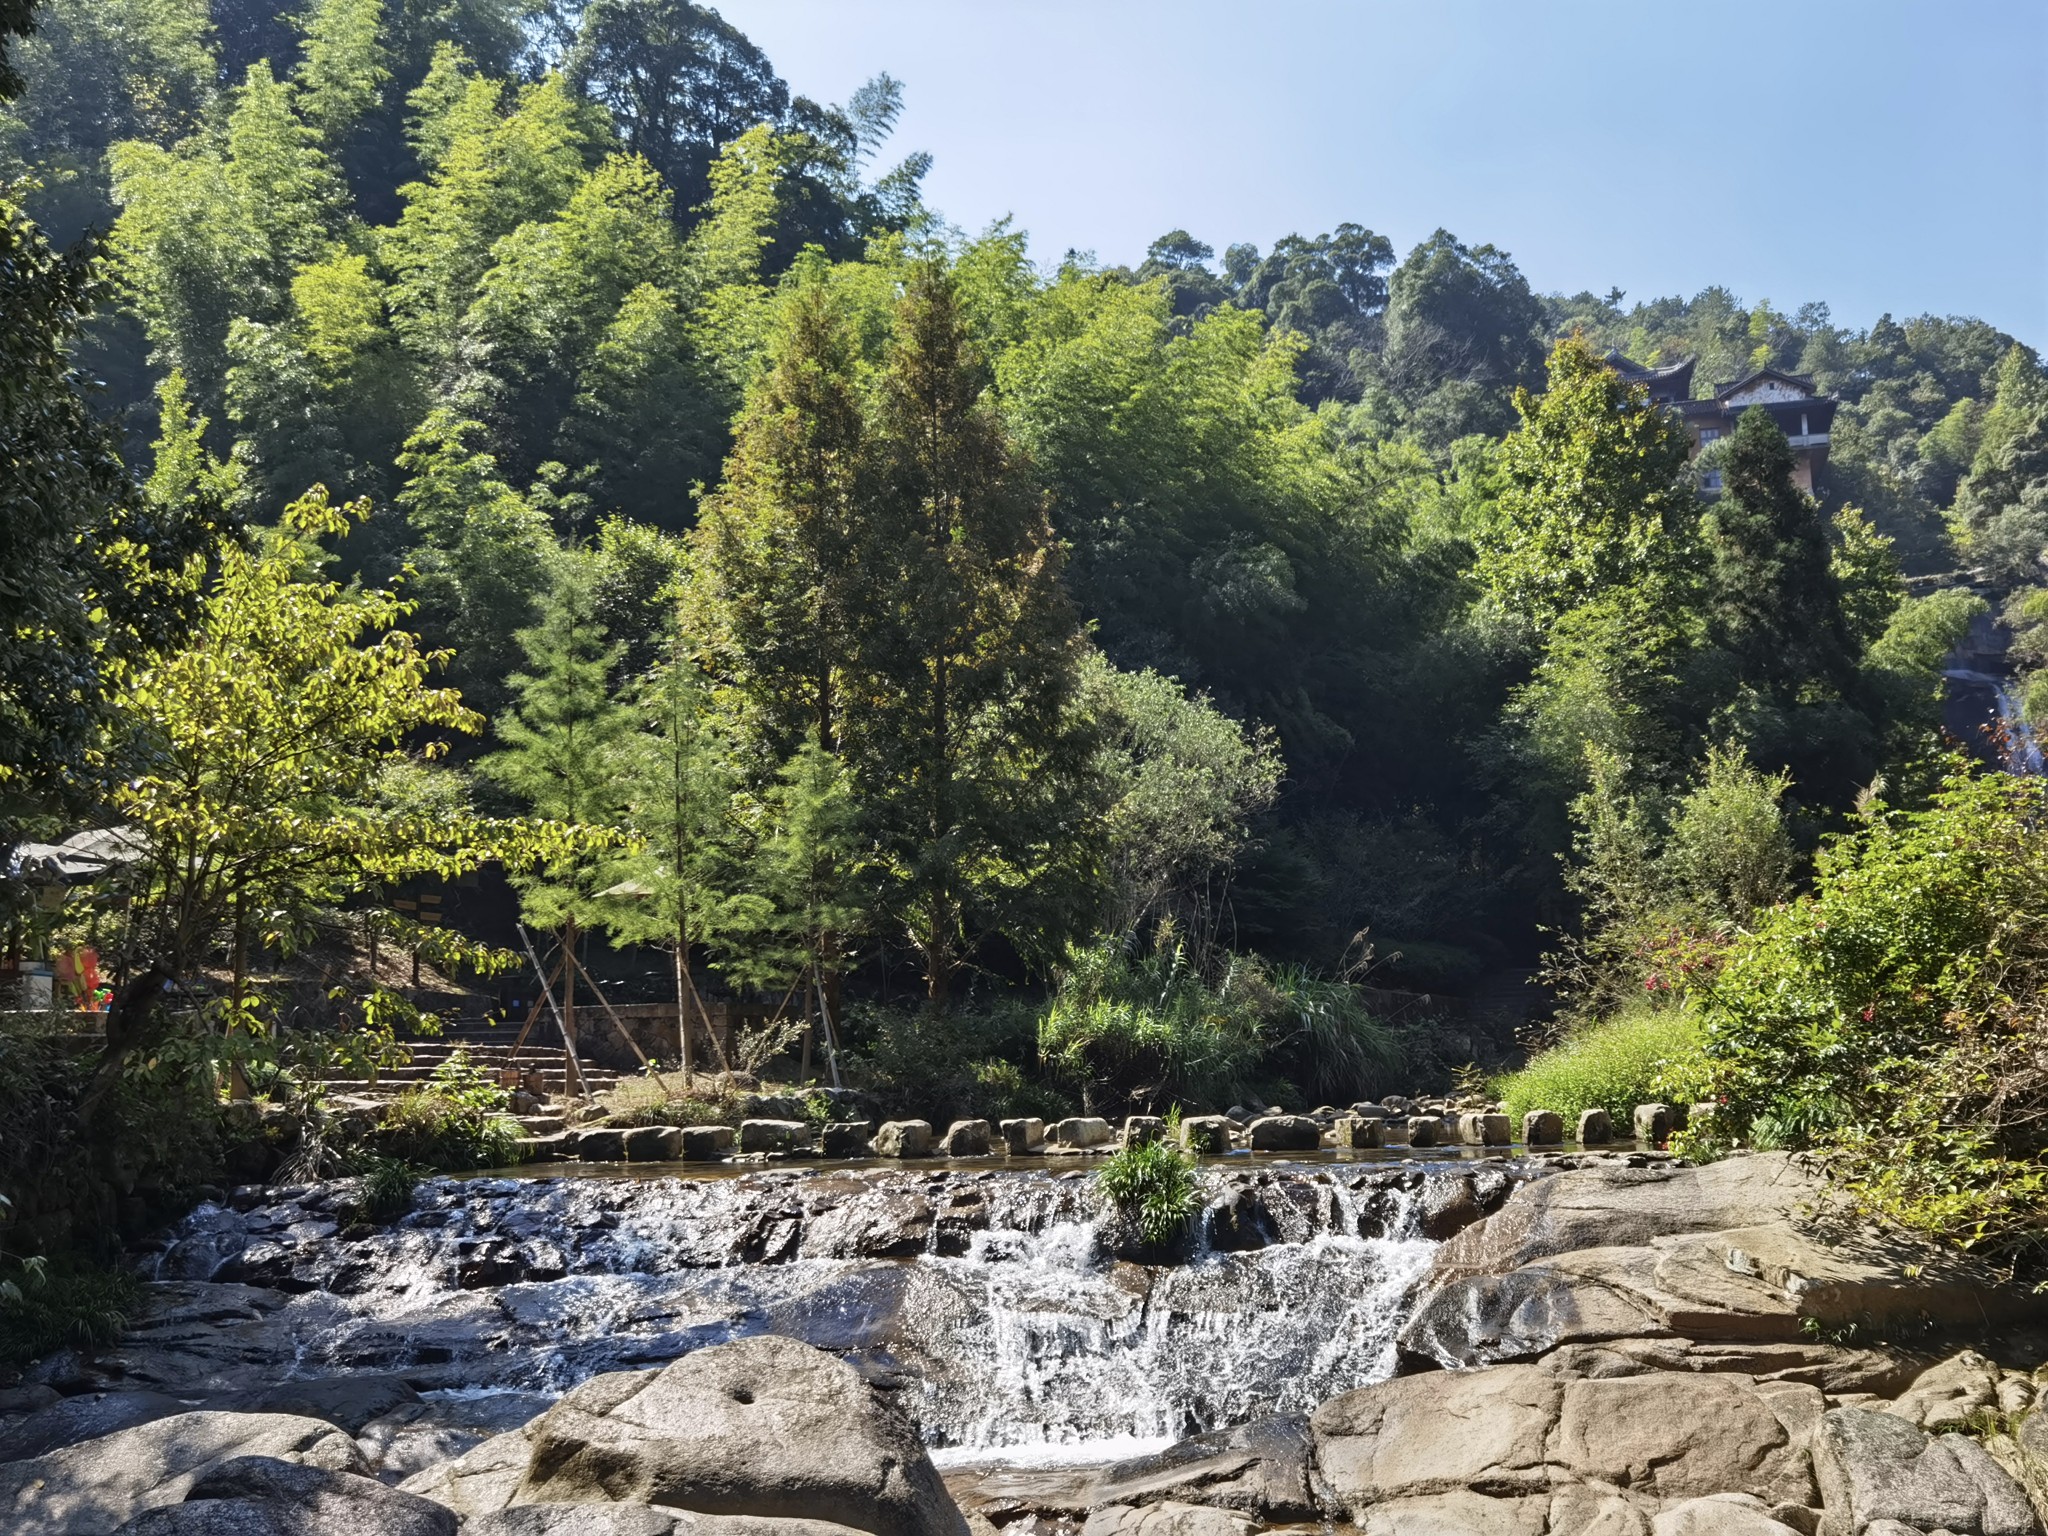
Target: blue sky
1876, 154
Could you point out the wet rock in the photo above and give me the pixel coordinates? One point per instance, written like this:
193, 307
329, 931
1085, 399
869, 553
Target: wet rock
480, 1481
764, 1426
903, 1138
1166, 1519
1023, 1135
1141, 1130
706, 1143
1448, 1204
1423, 1131
1353, 1131
1082, 1131
1478, 1129
262, 1496
845, 1139
1284, 1133
1595, 1129
91, 1488
1207, 1135
1239, 1222
1369, 1110
578, 1520
69, 1420
1542, 1128
1259, 1469
965, 1138
549, 1148
601, 1144
1877, 1466
1653, 1124
653, 1144
347, 1402
773, 1135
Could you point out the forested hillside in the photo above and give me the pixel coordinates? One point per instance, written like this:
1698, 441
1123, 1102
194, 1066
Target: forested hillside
761, 567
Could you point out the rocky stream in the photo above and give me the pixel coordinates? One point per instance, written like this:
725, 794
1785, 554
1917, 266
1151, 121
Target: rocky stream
1539, 1347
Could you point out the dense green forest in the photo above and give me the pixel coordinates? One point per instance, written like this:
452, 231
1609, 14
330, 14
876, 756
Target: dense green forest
480, 432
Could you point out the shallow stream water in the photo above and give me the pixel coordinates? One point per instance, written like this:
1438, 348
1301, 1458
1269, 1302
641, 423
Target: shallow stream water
992, 1295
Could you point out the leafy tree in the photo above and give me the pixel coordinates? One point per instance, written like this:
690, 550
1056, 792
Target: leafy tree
777, 592
679, 783
95, 574
964, 740
680, 82
1461, 331
1595, 496
1776, 603
566, 741
1187, 783
2003, 504
266, 734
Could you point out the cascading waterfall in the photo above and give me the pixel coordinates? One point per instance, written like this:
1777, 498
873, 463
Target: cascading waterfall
996, 1297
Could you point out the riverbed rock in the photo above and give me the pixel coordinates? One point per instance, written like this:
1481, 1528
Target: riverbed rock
602, 1144
903, 1138
653, 1144
91, 1488
1521, 1431
1542, 1128
845, 1139
347, 1402
1721, 1514
1424, 1130
763, 1426
1355, 1131
637, 1520
706, 1143
69, 1420
1878, 1466
1654, 1123
1260, 1468
1207, 1135
966, 1138
1596, 1128
1719, 1253
1022, 1135
262, 1496
1166, 1519
1083, 1131
1142, 1130
1946, 1395
1284, 1133
774, 1135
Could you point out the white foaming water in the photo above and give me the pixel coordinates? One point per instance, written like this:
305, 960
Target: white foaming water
1055, 1353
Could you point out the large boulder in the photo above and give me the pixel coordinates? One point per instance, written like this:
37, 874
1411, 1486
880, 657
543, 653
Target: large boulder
1878, 1466
636, 1520
1260, 1468
261, 1496
1634, 1443
69, 1420
1285, 1133
1722, 1252
1166, 1519
348, 1402
764, 1426
96, 1486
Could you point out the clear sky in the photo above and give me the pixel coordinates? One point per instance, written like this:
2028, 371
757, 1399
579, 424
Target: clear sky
1875, 154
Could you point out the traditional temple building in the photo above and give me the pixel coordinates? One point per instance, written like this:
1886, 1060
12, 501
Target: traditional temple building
1802, 414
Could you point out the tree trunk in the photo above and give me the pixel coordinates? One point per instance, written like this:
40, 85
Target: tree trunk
569, 986
688, 1055
238, 1081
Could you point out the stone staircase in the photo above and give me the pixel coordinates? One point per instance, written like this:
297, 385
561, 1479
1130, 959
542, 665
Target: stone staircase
487, 1046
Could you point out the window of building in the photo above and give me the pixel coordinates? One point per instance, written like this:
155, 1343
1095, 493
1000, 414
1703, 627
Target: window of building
1709, 435
1711, 480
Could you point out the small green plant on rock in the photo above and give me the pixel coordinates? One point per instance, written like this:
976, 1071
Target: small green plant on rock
1153, 1187
455, 1120
387, 1189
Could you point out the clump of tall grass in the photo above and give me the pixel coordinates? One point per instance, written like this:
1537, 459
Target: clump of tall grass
1642, 1054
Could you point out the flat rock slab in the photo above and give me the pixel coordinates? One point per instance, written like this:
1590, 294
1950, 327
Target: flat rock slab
262, 1496
1521, 1431
92, 1488
1877, 1466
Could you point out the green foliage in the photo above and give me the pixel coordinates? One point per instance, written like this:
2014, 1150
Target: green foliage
1150, 1028
1153, 1186
455, 1121
68, 1305
386, 1191
1894, 1016
1648, 1052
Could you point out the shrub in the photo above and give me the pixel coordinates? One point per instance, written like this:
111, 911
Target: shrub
665, 1099
63, 1304
1329, 1045
941, 1063
455, 1120
1153, 1187
1151, 1027
1643, 1054
387, 1189
1897, 1019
